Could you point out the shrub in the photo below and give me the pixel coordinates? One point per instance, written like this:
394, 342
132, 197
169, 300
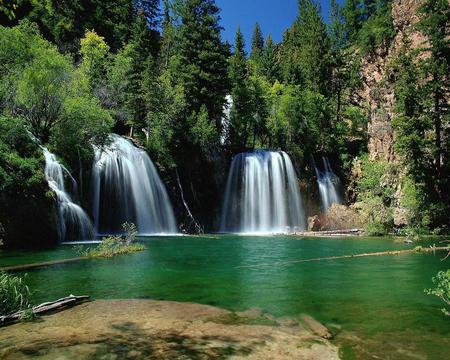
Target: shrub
116, 245
442, 289
14, 294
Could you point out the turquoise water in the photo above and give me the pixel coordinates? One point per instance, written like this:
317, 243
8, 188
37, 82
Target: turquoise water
374, 297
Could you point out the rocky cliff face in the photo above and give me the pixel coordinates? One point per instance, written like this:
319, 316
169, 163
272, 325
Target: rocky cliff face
377, 92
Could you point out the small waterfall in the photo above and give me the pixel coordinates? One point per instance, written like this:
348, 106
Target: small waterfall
262, 194
126, 187
330, 185
73, 222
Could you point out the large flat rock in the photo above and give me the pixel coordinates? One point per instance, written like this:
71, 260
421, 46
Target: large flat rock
145, 329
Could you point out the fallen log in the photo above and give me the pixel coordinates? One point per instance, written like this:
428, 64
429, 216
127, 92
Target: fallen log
42, 264
432, 249
57, 305
349, 232
316, 327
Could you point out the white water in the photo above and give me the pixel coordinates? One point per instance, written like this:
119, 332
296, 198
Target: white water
126, 187
73, 222
329, 185
262, 195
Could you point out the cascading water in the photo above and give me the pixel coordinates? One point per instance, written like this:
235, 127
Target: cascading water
73, 222
126, 187
330, 185
262, 194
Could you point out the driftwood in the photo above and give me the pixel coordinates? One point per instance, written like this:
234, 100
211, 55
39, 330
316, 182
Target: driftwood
42, 264
58, 305
316, 327
432, 249
198, 228
351, 232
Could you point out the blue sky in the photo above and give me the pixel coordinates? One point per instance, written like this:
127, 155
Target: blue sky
274, 16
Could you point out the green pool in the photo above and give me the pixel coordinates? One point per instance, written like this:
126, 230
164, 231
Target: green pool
374, 304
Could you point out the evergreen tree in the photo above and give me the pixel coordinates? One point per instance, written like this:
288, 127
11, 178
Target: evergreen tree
435, 24
353, 14
202, 58
241, 117
257, 47
65, 22
306, 49
140, 51
270, 61
339, 56
410, 124
150, 10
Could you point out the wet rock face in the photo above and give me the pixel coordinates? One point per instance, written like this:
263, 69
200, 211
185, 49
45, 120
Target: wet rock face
377, 93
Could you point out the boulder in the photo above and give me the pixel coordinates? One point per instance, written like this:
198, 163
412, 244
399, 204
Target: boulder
314, 223
342, 217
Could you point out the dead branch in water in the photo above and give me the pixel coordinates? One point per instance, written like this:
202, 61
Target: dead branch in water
42, 264
194, 222
57, 305
381, 253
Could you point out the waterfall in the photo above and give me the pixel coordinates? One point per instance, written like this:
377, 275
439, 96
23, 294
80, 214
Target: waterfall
126, 187
330, 185
262, 194
73, 222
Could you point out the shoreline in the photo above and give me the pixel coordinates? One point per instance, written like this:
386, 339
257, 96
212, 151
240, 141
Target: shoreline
142, 329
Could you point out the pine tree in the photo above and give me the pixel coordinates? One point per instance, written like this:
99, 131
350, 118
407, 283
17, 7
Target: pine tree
306, 49
141, 50
339, 42
269, 61
353, 14
202, 58
150, 11
435, 24
257, 47
241, 112
409, 123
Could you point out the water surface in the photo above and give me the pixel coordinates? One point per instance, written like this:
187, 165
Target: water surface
378, 298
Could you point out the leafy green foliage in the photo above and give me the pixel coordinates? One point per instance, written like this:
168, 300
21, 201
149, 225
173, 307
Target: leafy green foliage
442, 289
375, 192
14, 294
116, 245
93, 53
83, 124
21, 179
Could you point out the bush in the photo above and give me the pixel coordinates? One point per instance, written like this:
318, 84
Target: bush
375, 229
116, 245
375, 192
14, 294
442, 289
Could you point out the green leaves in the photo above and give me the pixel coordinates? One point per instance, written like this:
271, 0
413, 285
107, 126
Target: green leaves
442, 289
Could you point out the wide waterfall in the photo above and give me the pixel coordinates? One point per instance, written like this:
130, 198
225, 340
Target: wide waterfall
127, 188
262, 195
330, 186
73, 222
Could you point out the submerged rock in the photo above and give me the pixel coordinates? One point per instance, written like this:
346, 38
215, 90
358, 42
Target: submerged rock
145, 329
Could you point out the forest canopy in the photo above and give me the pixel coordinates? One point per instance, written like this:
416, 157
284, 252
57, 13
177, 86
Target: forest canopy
74, 72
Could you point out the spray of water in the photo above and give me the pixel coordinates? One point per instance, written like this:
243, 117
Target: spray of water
262, 195
329, 185
73, 222
126, 187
